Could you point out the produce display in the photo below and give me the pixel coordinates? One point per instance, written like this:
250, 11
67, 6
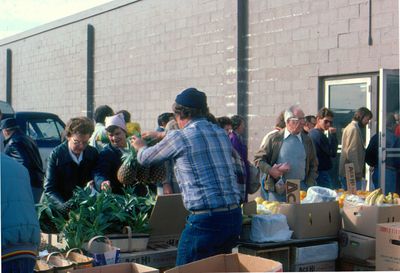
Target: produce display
89, 215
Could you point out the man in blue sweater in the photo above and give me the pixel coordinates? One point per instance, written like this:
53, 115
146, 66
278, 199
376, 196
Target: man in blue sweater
325, 146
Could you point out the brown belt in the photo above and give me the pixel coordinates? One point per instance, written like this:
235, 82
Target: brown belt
227, 208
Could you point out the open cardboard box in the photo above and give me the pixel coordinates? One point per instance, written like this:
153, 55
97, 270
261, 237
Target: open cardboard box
118, 268
167, 220
229, 263
312, 220
363, 219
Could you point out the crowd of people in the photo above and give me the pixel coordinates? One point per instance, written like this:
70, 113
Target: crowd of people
206, 159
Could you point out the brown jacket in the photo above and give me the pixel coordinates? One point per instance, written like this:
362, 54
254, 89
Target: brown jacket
353, 150
268, 154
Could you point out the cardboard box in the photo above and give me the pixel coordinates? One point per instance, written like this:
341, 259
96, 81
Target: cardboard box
356, 246
312, 267
167, 220
159, 257
349, 264
118, 268
388, 247
229, 263
279, 254
363, 219
314, 253
312, 220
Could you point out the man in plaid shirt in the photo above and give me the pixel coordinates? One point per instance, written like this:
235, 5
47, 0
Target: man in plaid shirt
207, 176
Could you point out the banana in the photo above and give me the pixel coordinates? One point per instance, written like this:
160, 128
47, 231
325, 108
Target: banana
375, 196
379, 199
389, 198
372, 196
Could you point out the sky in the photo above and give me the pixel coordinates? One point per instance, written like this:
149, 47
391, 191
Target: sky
17, 16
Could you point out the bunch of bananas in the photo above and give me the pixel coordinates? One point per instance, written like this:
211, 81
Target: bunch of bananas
272, 206
378, 198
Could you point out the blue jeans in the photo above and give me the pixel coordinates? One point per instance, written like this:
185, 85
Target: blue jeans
324, 179
209, 234
19, 265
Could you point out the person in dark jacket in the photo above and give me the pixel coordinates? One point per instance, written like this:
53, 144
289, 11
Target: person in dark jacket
71, 163
325, 146
20, 232
110, 158
23, 149
392, 162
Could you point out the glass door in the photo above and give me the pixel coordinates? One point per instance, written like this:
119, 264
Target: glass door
387, 176
344, 97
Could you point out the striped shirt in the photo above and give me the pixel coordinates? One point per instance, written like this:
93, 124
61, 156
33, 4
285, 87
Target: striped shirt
204, 166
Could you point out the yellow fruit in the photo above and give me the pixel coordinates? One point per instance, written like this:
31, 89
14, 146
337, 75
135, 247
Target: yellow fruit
259, 200
395, 195
266, 203
303, 195
341, 202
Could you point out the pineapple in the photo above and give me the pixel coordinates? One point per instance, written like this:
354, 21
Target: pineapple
127, 173
143, 173
157, 173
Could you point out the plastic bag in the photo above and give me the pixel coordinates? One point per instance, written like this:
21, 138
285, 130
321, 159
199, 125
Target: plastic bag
270, 228
319, 194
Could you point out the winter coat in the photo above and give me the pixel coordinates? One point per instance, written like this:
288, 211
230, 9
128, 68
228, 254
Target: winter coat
268, 155
353, 150
107, 168
20, 232
64, 175
24, 150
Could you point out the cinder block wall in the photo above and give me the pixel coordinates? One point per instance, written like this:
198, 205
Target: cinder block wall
147, 51
294, 42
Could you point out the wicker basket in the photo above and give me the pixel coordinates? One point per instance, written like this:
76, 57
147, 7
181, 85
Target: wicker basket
80, 260
43, 267
60, 264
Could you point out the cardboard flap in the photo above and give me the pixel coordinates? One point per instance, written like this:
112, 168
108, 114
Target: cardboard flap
118, 268
168, 217
250, 208
229, 263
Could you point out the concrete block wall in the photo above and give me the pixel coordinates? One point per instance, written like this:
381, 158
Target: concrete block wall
294, 42
147, 51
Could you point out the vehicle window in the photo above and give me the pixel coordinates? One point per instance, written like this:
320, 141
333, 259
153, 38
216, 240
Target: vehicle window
44, 129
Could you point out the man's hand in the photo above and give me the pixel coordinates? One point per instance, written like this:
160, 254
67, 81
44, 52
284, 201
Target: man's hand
153, 135
275, 172
284, 167
137, 142
332, 130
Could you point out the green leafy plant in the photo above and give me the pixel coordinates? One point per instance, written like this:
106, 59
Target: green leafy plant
104, 213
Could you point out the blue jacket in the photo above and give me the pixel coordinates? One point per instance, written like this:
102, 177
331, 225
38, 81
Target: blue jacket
20, 231
107, 168
63, 175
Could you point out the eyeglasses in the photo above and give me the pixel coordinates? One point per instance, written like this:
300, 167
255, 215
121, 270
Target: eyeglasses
328, 121
296, 120
78, 142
